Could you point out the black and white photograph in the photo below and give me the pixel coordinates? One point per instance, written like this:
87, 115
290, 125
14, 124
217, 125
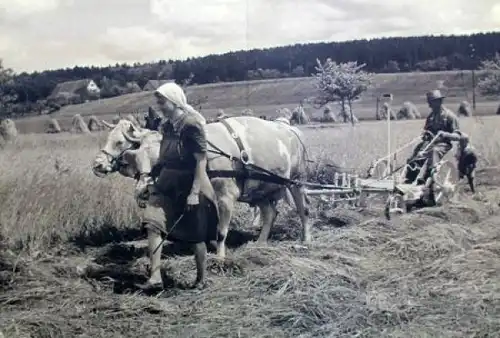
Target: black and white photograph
249, 168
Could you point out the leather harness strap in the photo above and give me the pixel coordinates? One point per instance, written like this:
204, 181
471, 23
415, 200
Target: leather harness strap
240, 175
243, 154
247, 170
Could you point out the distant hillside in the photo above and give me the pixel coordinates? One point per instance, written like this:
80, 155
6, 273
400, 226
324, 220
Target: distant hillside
265, 96
236, 96
385, 55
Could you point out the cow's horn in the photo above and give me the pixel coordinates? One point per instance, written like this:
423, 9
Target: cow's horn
107, 124
130, 138
142, 132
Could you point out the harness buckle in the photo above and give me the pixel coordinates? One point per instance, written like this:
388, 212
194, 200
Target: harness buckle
245, 159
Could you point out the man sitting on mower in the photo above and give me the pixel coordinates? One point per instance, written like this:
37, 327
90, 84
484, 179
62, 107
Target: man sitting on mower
442, 123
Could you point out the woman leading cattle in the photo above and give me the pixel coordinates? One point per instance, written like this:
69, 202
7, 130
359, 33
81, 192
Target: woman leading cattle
178, 191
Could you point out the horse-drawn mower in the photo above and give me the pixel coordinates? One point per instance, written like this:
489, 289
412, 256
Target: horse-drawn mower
406, 186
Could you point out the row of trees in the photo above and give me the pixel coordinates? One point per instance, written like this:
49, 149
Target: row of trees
26, 92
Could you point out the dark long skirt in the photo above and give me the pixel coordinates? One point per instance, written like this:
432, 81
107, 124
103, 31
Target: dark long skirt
198, 223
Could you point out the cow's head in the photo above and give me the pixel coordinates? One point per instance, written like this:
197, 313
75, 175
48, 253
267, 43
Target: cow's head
122, 144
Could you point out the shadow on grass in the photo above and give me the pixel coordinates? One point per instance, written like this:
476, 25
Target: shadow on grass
123, 253
106, 234
116, 263
117, 267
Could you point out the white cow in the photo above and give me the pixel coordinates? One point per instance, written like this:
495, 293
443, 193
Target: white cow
274, 147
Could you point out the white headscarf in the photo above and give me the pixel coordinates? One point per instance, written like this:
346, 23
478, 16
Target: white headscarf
175, 94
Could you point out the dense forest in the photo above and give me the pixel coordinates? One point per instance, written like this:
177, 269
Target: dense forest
424, 53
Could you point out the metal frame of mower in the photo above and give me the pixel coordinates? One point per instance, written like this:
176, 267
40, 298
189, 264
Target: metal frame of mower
417, 193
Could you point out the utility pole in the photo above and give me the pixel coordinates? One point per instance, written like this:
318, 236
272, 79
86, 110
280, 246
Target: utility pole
472, 56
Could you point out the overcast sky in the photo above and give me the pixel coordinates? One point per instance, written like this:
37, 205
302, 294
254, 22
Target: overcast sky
50, 34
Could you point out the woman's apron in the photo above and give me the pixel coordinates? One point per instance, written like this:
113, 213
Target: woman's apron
200, 222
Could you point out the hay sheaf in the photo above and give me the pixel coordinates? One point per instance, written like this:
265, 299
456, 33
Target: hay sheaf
247, 112
408, 111
94, 124
386, 111
53, 127
299, 116
116, 119
78, 125
350, 116
464, 109
284, 112
221, 115
8, 130
328, 115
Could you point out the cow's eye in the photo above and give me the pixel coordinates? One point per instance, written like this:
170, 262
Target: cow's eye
119, 143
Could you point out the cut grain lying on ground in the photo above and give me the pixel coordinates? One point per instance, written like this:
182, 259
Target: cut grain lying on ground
431, 273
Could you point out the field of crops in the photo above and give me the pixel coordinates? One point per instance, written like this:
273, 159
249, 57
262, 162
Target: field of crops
70, 253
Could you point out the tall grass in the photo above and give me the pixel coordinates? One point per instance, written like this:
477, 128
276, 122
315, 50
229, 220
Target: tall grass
43, 204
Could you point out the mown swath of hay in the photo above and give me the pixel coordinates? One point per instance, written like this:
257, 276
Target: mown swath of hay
464, 109
53, 127
94, 124
8, 130
78, 125
419, 275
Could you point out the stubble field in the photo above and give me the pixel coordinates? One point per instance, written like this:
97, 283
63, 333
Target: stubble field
70, 254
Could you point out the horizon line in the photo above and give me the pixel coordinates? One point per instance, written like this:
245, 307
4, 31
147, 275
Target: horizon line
254, 49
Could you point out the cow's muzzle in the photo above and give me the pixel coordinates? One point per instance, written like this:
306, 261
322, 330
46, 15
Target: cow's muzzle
99, 172
100, 169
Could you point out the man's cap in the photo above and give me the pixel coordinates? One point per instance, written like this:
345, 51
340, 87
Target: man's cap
435, 95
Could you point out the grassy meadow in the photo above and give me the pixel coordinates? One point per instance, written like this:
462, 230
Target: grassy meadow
265, 96
69, 254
